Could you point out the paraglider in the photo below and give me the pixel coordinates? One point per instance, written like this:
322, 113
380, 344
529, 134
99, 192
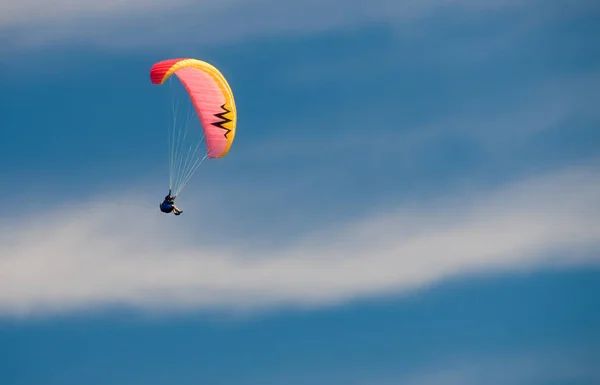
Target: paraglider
215, 110
168, 205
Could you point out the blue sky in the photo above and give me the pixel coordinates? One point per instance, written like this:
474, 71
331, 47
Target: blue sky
411, 197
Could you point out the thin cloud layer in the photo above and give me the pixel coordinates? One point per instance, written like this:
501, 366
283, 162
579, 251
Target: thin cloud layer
28, 12
566, 365
116, 23
102, 254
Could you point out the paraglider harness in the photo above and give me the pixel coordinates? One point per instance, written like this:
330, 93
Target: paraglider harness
168, 205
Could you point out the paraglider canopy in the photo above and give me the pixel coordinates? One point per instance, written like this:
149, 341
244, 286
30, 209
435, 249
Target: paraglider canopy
212, 98
214, 107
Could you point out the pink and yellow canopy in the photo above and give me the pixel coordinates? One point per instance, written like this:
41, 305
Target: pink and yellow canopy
211, 96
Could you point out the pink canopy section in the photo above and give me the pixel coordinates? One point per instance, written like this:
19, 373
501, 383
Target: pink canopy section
211, 96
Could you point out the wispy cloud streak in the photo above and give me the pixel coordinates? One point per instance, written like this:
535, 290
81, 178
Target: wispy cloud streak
569, 365
105, 254
116, 23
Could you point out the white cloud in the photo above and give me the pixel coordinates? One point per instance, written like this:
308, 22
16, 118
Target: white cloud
565, 365
120, 23
65, 11
97, 254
